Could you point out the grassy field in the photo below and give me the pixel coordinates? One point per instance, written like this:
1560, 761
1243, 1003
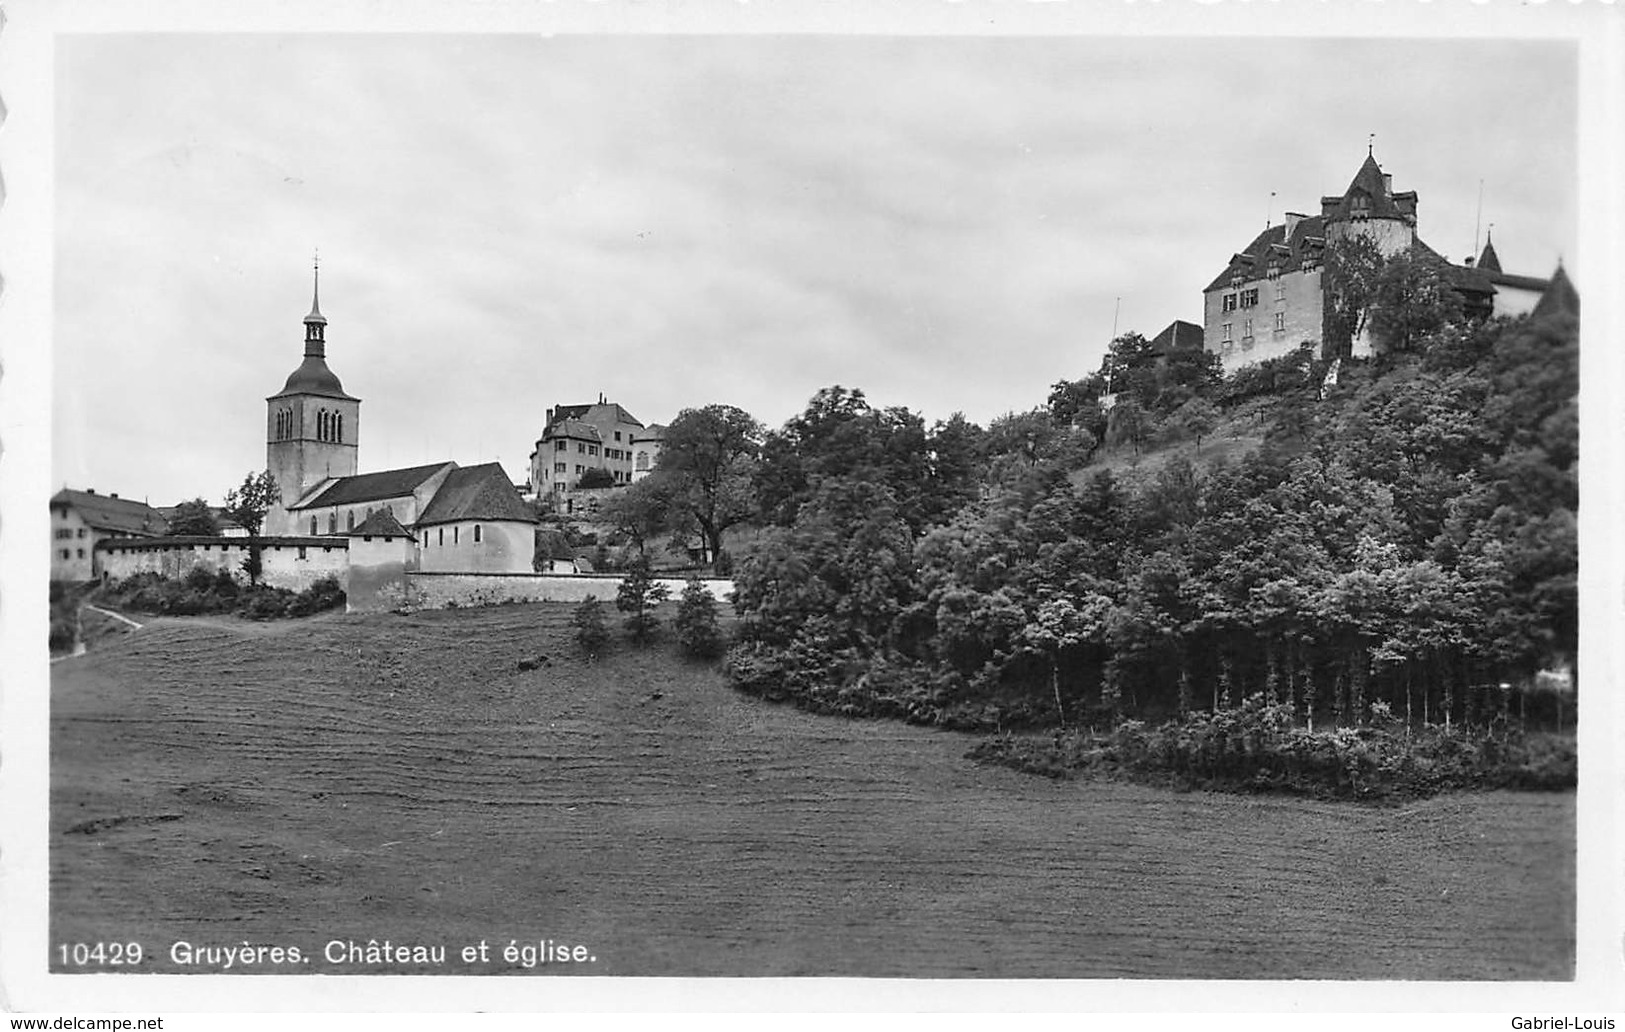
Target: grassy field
384, 777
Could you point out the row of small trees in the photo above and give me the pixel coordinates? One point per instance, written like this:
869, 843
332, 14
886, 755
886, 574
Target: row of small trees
698, 633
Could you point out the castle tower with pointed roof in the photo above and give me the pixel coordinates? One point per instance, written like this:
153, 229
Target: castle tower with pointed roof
311, 427
1371, 208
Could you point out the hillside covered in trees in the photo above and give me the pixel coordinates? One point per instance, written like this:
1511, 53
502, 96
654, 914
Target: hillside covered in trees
1399, 545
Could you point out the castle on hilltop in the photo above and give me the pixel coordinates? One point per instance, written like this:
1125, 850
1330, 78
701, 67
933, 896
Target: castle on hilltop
1271, 296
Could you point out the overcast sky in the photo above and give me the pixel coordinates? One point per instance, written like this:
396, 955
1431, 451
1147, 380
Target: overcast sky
512, 222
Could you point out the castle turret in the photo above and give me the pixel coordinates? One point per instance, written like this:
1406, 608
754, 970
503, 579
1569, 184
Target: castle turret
1371, 208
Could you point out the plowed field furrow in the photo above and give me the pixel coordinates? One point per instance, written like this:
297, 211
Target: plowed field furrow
360, 777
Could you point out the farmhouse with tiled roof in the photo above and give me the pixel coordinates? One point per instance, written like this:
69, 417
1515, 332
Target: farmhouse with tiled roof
79, 519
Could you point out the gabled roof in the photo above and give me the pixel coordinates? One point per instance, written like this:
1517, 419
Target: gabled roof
1273, 246
1179, 336
1507, 279
572, 428
561, 412
481, 492
1560, 298
652, 432
1461, 277
373, 487
118, 515
380, 524
1489, 261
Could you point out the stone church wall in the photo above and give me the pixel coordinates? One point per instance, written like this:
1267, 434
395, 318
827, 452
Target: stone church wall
292, 563
443, 590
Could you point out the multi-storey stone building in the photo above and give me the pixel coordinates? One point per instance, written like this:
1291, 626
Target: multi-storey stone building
1271, 296
580, 438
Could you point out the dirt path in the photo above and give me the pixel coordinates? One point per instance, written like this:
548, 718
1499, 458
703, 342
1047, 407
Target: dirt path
383, 777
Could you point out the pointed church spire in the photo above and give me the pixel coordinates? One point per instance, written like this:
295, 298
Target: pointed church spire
1489, 261
315, 315
315, 322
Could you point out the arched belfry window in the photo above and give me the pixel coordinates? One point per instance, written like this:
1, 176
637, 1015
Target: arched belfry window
338, 433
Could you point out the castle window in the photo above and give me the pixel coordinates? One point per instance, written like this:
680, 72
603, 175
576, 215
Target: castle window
66, 554
643, 461
1249, 298
81, 552
1227, 331
476, 533
1229, 303
1280, 291
581, 449
617, 435
1360, 206
1247, 330
1280, 322
301, 551
561, 445
592, 449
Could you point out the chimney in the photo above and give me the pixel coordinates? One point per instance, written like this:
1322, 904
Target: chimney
90, 490
113, 495
1292, 220
1387, 184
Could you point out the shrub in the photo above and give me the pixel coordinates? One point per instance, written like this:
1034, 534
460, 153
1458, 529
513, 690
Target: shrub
637, 598
1257, 748
592, 629
262, 602
696, 622
199, 578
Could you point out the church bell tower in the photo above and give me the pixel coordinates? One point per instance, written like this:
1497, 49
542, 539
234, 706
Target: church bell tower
311, 427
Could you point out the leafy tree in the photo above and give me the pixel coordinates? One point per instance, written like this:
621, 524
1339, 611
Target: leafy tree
638, 596
696, 622
1196, 418
708, 458
193, 518
592, 630
596, 477
248, 503
1060, 625
643, 511
1129, 422
1353, 265
840, 436
253, 563
1410, 301
844, 571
